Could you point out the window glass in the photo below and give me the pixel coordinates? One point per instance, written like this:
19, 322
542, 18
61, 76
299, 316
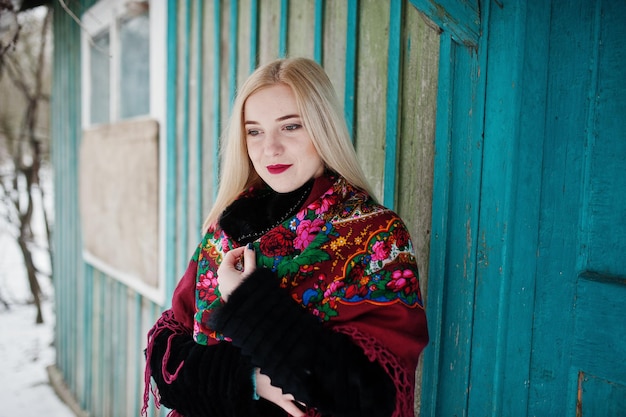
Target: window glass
135, 66
100, 78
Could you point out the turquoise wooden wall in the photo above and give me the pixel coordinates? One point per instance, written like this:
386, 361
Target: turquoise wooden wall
100, 323
527, 270
385, 70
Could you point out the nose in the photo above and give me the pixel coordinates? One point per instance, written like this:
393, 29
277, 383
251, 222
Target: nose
273, 145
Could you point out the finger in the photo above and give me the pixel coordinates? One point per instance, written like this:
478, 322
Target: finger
236, 252
292, 409
232, 257
249, 258
293, 400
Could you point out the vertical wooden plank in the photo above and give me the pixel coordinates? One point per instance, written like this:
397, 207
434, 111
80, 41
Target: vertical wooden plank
517, 65
569, 53
606, 243
301, 28
233, 22
118, 343
87, 400
418, 105
371, 84
588, 215
493, 272
122, 366
70, 241
58, 154
199, 142
100, 348
210, 110
194, 196
254, 34
115, 343
283, 27
105, 373
171, 167
438, 246
246, 49
460, 271
222, 53
217, 90
318, 51
417, 134
107, 370
94, 321
352, 45
335, 44
392, 103
269, 22
83, 309
458, 155
183, 217
135, 350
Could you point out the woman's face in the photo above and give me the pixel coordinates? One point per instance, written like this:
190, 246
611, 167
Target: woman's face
279, 146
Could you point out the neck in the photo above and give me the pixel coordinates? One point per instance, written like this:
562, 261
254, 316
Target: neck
254, 214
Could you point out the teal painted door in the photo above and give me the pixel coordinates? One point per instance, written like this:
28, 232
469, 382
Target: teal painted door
578, 365
526, 295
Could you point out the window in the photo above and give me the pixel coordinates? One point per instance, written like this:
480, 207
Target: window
120, 61
100, 79
123, 108
134, 62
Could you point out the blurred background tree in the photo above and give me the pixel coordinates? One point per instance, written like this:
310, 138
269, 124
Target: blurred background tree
25, 80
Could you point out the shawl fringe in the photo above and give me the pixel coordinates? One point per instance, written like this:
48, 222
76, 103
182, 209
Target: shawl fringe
166, 321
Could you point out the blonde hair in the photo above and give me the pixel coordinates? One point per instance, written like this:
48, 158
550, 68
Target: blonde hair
322, 117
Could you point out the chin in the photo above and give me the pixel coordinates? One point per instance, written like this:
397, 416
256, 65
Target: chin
283, 187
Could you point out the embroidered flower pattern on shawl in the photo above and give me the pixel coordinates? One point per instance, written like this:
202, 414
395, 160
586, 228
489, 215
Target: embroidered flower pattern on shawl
341, 251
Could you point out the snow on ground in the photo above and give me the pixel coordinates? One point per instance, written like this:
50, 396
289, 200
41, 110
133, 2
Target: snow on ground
26, 349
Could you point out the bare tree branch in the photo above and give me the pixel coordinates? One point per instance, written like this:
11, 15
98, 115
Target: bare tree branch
24, 66
7, 8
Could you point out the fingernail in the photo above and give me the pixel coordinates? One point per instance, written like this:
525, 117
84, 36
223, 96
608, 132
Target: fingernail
249, 246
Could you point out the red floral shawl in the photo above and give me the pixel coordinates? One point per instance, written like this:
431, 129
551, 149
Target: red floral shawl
351, 263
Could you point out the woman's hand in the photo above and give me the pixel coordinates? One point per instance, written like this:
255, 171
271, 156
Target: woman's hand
235, 267
265, 389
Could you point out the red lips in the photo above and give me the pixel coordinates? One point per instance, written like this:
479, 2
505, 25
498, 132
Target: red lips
277, 169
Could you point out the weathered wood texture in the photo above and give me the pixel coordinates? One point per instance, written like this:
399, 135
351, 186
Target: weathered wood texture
529, 216
416, 134
580, 300
460, 19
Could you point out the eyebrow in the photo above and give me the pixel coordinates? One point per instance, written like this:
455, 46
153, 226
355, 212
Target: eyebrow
280, 119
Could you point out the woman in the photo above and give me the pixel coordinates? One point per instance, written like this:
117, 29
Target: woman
303, 297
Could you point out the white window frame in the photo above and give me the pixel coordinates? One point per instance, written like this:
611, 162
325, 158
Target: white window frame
107, 13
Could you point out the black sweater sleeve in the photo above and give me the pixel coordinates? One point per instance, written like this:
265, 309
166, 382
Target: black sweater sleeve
216, 378
213, 380
322, 368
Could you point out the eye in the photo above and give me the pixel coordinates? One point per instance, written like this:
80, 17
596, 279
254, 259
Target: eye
253, 132
293, 126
